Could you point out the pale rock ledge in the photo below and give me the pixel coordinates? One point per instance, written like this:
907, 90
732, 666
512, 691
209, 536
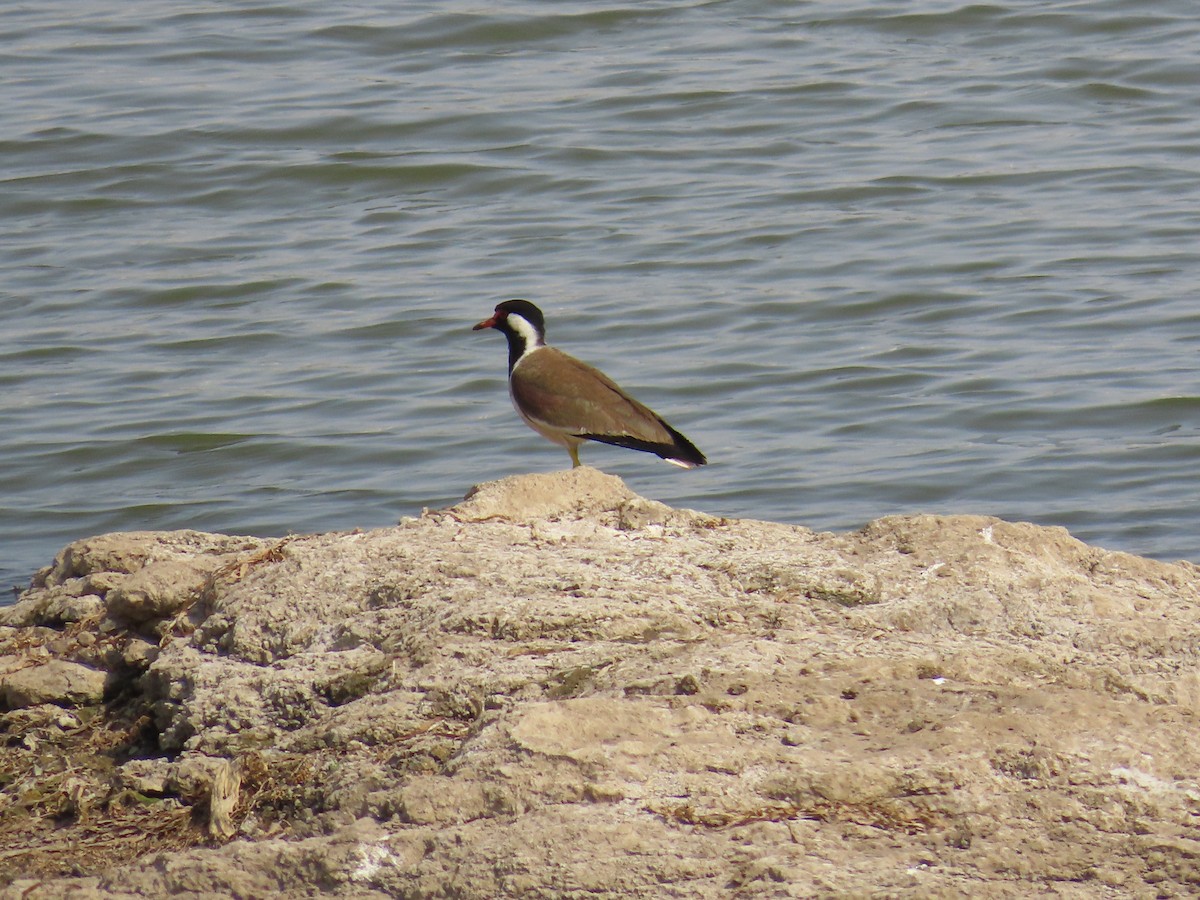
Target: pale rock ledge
560, 689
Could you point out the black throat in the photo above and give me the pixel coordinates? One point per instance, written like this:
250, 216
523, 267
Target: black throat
516, 347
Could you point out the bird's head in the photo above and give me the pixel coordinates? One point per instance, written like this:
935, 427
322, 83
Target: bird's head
518, 318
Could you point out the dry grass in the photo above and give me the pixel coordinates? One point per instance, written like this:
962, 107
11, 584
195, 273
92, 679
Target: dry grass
63, 810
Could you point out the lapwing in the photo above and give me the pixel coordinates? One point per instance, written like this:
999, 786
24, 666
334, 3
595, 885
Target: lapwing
569, 402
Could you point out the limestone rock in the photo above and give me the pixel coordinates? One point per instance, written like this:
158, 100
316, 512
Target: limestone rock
158, 589
526, 498
127, 552
57, 681
67, 610
559, 689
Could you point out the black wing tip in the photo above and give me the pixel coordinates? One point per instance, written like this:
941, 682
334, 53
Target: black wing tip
681, 452
687, 454
684, 453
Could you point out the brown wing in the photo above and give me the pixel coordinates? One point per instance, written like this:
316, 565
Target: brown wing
575, 398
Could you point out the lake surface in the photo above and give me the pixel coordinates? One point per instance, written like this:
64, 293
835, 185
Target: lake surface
875, 258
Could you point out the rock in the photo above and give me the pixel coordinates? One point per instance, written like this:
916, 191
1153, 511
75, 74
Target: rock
46, 607
528, 498
638, 513
557, 688
105, 553
97, 560
139, 653
159, 590
58, 681
146, 776
67, 610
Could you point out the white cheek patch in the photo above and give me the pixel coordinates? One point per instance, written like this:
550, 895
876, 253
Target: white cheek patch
527, 332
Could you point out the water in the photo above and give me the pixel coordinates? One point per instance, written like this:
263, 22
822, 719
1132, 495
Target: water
873, 259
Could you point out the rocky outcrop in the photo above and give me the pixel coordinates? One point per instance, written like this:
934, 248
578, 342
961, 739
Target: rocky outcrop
560, 689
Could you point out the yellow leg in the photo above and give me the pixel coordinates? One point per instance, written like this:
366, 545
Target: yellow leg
573, 449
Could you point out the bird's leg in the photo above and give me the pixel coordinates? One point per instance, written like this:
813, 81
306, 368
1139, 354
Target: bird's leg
573, 449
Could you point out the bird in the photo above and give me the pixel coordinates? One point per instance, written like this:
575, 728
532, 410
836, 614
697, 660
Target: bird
568, 402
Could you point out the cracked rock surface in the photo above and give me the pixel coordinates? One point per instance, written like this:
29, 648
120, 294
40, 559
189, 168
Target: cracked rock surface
558, 688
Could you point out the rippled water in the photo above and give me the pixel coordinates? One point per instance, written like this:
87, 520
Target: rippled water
892, 257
